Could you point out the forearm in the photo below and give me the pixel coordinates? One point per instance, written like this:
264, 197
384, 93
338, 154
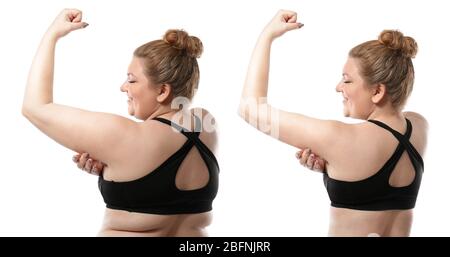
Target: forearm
256, 82
253, 107
39, 89
254, 94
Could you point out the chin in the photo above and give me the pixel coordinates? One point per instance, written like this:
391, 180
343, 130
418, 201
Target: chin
140, 117
346, 113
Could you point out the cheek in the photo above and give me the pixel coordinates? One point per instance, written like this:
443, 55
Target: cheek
147, 100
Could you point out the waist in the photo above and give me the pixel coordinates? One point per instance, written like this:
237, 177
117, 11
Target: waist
119, 221
350, 222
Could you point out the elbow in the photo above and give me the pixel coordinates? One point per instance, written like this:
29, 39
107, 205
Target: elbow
26, 111
243, 111
29, 111
251, 109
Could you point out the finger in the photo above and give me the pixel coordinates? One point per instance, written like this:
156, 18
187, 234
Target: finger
76, 157
79, 25
77, 15
73, 15
289, 13
310, 161
88, 166
98, 168
317, 166
95, 169
292, 26
305, 156
82, 161
298, 154
95, 172
322, 165
291, 18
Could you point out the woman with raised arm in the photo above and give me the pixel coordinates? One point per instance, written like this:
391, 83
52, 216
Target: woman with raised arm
372, 184
161, 175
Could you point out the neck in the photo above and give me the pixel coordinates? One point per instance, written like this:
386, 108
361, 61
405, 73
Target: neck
163, 111
386, 112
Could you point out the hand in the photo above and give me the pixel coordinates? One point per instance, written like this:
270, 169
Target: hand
68, 20
283, 21
87, 164
311, 161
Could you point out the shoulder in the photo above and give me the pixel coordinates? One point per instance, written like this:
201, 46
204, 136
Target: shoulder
206, 117
417, 119
209, 127
200, 112
419, 136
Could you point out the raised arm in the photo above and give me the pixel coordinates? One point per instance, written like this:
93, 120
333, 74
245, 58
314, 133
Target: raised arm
294, 129
99, 134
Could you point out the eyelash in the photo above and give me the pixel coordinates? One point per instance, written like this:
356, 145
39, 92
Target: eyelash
346, 82
131, 81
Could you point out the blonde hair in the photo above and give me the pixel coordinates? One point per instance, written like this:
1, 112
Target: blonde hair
173, 60
388, 61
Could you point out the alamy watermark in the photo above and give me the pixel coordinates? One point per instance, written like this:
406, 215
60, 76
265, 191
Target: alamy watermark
255, 111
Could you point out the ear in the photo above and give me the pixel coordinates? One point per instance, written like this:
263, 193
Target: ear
378, 93
164, 93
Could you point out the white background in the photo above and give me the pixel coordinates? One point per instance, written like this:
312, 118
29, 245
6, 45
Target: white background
263, 189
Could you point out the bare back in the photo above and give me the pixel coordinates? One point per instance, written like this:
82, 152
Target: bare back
361, 160
149, 150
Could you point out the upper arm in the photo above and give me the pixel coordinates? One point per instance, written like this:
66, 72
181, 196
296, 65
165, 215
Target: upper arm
99, 134
298, 130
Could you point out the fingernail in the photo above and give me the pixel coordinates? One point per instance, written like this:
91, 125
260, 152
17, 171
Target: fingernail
85, 25
300, 25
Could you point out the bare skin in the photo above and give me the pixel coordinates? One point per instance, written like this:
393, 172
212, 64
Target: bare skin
120, 223
128, 149
123, 223
352, 151
347, 222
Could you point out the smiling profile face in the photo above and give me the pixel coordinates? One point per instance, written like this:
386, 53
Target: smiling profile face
141, 92
356, 92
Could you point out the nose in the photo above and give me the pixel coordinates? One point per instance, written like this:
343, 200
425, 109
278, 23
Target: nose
339, 87
124, 87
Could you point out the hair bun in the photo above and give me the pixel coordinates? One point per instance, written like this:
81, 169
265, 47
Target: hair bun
394, 39
179, 39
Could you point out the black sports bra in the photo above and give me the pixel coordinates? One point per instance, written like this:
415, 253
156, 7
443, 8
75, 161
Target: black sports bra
157, 192
375, 193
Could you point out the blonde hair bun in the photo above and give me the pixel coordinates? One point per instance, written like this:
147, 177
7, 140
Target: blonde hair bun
395, 40
181, 40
